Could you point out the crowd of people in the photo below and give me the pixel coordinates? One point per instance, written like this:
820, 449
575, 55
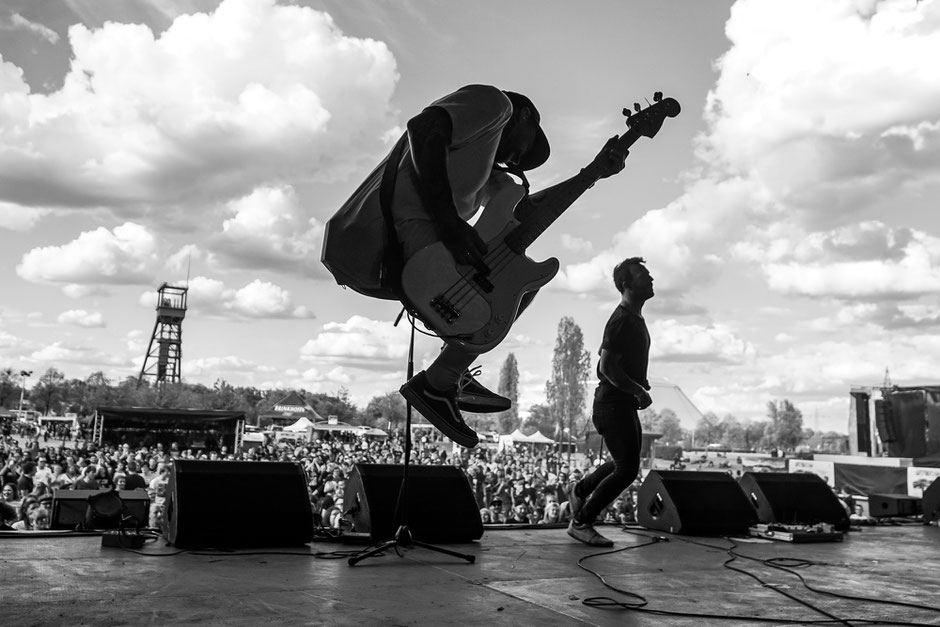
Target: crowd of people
520, 485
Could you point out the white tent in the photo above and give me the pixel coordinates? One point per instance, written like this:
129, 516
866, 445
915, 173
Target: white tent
303, 423
668, 395
539, 438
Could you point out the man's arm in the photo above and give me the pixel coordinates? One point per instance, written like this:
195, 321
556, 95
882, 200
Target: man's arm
611, 370
609, 161
429, 134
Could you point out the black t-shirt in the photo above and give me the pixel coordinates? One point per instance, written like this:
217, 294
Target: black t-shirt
134, 482
627, 337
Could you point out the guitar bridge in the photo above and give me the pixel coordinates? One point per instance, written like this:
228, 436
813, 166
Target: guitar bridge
445, 309
483, 283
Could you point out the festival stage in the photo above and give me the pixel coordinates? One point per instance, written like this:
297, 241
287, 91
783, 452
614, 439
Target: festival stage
520, 577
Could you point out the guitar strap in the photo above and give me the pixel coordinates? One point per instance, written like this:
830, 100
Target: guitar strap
393, 260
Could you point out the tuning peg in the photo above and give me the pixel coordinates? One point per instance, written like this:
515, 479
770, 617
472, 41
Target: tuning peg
657, 96
627, 112
636, 107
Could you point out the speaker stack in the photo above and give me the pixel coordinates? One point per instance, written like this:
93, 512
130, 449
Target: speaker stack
694, 503
931, 502
794, 499
440, 504
230, 504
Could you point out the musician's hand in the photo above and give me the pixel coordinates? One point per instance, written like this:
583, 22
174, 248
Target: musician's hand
644, 399
610, 160
464, 243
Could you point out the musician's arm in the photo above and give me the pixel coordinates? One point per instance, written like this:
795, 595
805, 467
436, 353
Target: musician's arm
611, 369
429, 134
609, 161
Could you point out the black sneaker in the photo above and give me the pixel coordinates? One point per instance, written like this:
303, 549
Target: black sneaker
588, 535
472, 396
440, 408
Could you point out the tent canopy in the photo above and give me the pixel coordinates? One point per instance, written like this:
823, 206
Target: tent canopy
303, 423
539, 438
535, 438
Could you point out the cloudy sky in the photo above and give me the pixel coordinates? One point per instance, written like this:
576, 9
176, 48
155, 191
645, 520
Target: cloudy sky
788, 214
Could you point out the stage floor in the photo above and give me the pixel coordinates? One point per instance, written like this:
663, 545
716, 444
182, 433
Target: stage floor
520, 577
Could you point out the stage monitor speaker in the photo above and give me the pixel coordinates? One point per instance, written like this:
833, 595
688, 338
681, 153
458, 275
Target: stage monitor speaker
441, 507
229, 504
70, 510
794, 499
930, 504
886, 505
694, 503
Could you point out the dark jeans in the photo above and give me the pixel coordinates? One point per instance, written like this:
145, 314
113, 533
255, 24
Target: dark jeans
620, 427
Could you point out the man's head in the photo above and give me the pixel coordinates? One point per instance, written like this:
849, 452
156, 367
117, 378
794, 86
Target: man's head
523, 144
631, 274
39, 518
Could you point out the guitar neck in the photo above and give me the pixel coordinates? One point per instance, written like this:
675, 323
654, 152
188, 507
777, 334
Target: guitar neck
557, 199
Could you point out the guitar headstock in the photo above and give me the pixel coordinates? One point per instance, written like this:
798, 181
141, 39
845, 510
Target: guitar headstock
648, 121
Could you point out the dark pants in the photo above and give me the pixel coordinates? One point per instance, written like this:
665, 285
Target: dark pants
622, 433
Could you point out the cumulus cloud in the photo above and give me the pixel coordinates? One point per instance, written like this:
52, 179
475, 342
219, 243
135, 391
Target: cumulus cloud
576, 244
82, 318
18, 22
85, 356
215, 365
17, 218
268, 229
869, 261
217, 104
802, 134
256, 300
122, 256
8, 340
359, 341
697, 343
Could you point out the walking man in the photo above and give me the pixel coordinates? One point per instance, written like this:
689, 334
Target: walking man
621, 392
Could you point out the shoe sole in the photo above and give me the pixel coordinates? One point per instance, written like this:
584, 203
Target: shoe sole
481, 406
441, 425
603, 544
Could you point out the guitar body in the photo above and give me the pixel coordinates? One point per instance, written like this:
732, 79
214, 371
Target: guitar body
464, 306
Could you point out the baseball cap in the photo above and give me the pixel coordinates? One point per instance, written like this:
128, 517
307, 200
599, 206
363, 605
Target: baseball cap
540, 150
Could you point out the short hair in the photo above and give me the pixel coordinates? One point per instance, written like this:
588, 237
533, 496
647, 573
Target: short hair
622, 276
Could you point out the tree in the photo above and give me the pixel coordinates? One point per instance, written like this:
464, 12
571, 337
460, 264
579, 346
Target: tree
708, 430
754, 434
786, 424
385, 409
540, 417
565, 391
8, 386
338, 405
732, 432
509, 387
49, 391
665, 423
670, 427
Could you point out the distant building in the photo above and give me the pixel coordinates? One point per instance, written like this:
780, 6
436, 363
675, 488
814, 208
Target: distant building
289, 410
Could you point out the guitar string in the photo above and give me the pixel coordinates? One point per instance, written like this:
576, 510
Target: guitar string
497, 260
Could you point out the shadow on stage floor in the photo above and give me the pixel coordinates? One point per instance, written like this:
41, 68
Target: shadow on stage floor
520, 577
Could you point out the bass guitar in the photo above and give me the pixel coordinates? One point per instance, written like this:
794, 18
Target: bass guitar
474, 306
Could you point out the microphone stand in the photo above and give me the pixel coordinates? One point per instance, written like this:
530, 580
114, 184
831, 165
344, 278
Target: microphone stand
403, 536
